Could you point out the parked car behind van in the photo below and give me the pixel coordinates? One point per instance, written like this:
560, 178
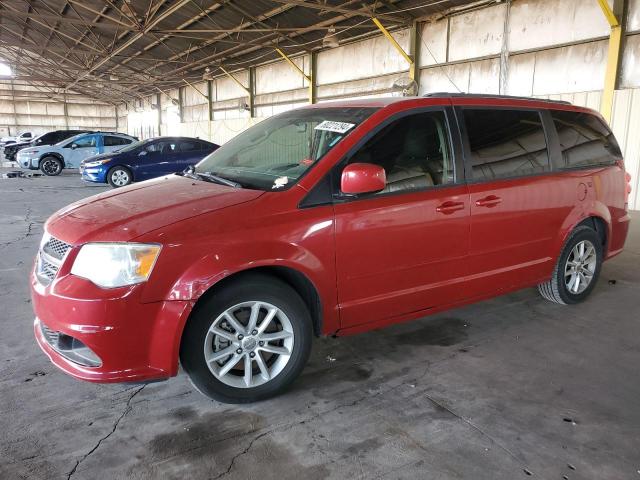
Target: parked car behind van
49, 138
332, 219
145, 159
52, 159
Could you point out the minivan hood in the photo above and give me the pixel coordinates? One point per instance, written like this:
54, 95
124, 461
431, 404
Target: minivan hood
123, 214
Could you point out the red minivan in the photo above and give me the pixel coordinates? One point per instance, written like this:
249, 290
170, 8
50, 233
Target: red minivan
331, 219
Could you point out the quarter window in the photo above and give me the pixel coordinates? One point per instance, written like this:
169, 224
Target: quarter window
505, 143
414, 152
584, 139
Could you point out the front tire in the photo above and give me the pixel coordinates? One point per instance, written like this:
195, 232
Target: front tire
51, 166
248, 341
578, 268
119, 177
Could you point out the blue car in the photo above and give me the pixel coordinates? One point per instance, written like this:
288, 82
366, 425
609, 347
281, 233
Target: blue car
145, 159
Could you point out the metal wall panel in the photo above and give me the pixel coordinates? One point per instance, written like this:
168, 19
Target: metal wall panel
280, 76
477, 34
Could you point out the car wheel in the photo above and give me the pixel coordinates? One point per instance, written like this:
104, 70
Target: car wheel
51, 166
248, 341
119, 177
578, 268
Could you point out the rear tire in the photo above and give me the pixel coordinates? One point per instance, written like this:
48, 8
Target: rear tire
223, 337
577, 270
119, 177
51, 166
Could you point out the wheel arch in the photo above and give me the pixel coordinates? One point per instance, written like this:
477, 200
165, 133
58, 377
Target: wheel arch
598, 218
291, 276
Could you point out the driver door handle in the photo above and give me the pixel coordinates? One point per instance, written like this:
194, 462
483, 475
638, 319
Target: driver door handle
490, 201
449, 207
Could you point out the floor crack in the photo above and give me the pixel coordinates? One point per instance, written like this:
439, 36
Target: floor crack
113, 430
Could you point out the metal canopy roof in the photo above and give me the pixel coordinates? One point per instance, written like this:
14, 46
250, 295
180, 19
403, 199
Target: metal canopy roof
120, 50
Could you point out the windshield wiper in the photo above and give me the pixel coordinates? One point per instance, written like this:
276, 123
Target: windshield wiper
209, 177
217, 179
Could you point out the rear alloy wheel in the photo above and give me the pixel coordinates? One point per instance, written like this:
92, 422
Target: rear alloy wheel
247, 342
51, 166
576, 273
119, 177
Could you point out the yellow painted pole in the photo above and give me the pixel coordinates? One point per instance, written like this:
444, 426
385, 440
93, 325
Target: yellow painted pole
385, 32
291, 62
613, 60
238, 82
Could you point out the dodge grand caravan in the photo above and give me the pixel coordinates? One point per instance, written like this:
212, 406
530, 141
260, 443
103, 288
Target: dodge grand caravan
332, 219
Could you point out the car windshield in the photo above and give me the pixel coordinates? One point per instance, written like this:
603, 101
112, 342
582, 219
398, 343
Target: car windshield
276, 152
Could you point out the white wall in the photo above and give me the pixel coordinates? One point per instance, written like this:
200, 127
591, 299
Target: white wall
42, 109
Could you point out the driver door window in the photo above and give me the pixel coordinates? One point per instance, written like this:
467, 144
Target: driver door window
414, 151
85, 142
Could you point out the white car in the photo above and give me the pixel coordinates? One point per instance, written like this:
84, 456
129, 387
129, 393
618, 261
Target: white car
23, 137
69, 153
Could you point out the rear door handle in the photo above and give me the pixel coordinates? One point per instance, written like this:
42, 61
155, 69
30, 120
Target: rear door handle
490, 201
450, 207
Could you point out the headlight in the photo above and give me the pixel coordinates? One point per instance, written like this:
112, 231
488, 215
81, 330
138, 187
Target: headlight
115, 264
95, 163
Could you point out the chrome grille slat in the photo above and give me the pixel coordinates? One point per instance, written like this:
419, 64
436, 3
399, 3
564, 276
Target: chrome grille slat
50, 257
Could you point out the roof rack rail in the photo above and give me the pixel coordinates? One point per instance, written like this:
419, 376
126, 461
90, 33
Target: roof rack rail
482, 95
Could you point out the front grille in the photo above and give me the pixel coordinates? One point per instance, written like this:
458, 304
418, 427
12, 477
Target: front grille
56, 248
50, 258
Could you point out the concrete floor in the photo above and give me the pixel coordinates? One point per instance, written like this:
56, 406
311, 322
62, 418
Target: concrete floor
514, 387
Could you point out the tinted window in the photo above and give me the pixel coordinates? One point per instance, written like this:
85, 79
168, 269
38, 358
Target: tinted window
110, 141
505, 143
85, 142
189, 146
584, 139
163, 146
414, 152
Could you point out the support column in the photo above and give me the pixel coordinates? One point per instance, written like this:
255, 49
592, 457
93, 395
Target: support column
614, 17
313, 59
159, 103
414, 53
180, 103
251, 90
210, 99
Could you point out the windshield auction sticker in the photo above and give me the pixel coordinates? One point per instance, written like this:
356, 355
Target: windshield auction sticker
337, 127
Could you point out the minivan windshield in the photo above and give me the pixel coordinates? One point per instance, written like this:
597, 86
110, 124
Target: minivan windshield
276, 152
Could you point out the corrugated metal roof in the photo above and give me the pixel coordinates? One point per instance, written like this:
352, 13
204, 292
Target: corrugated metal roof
124, 49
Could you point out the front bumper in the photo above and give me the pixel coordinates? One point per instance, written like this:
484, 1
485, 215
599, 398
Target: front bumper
30, 163
93, 174
134, 341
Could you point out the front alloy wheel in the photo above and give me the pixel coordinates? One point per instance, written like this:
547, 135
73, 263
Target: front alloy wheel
248, 340
249, 344
119, 177
51, 166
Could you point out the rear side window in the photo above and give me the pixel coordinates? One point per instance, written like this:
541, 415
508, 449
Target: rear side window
506, 143
189, 146
110, 141
585, 140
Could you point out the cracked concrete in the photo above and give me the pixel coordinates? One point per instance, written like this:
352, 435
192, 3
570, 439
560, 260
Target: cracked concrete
490, 391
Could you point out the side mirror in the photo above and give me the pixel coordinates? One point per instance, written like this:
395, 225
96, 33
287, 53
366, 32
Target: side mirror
142, 153
362, 178
74, 146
